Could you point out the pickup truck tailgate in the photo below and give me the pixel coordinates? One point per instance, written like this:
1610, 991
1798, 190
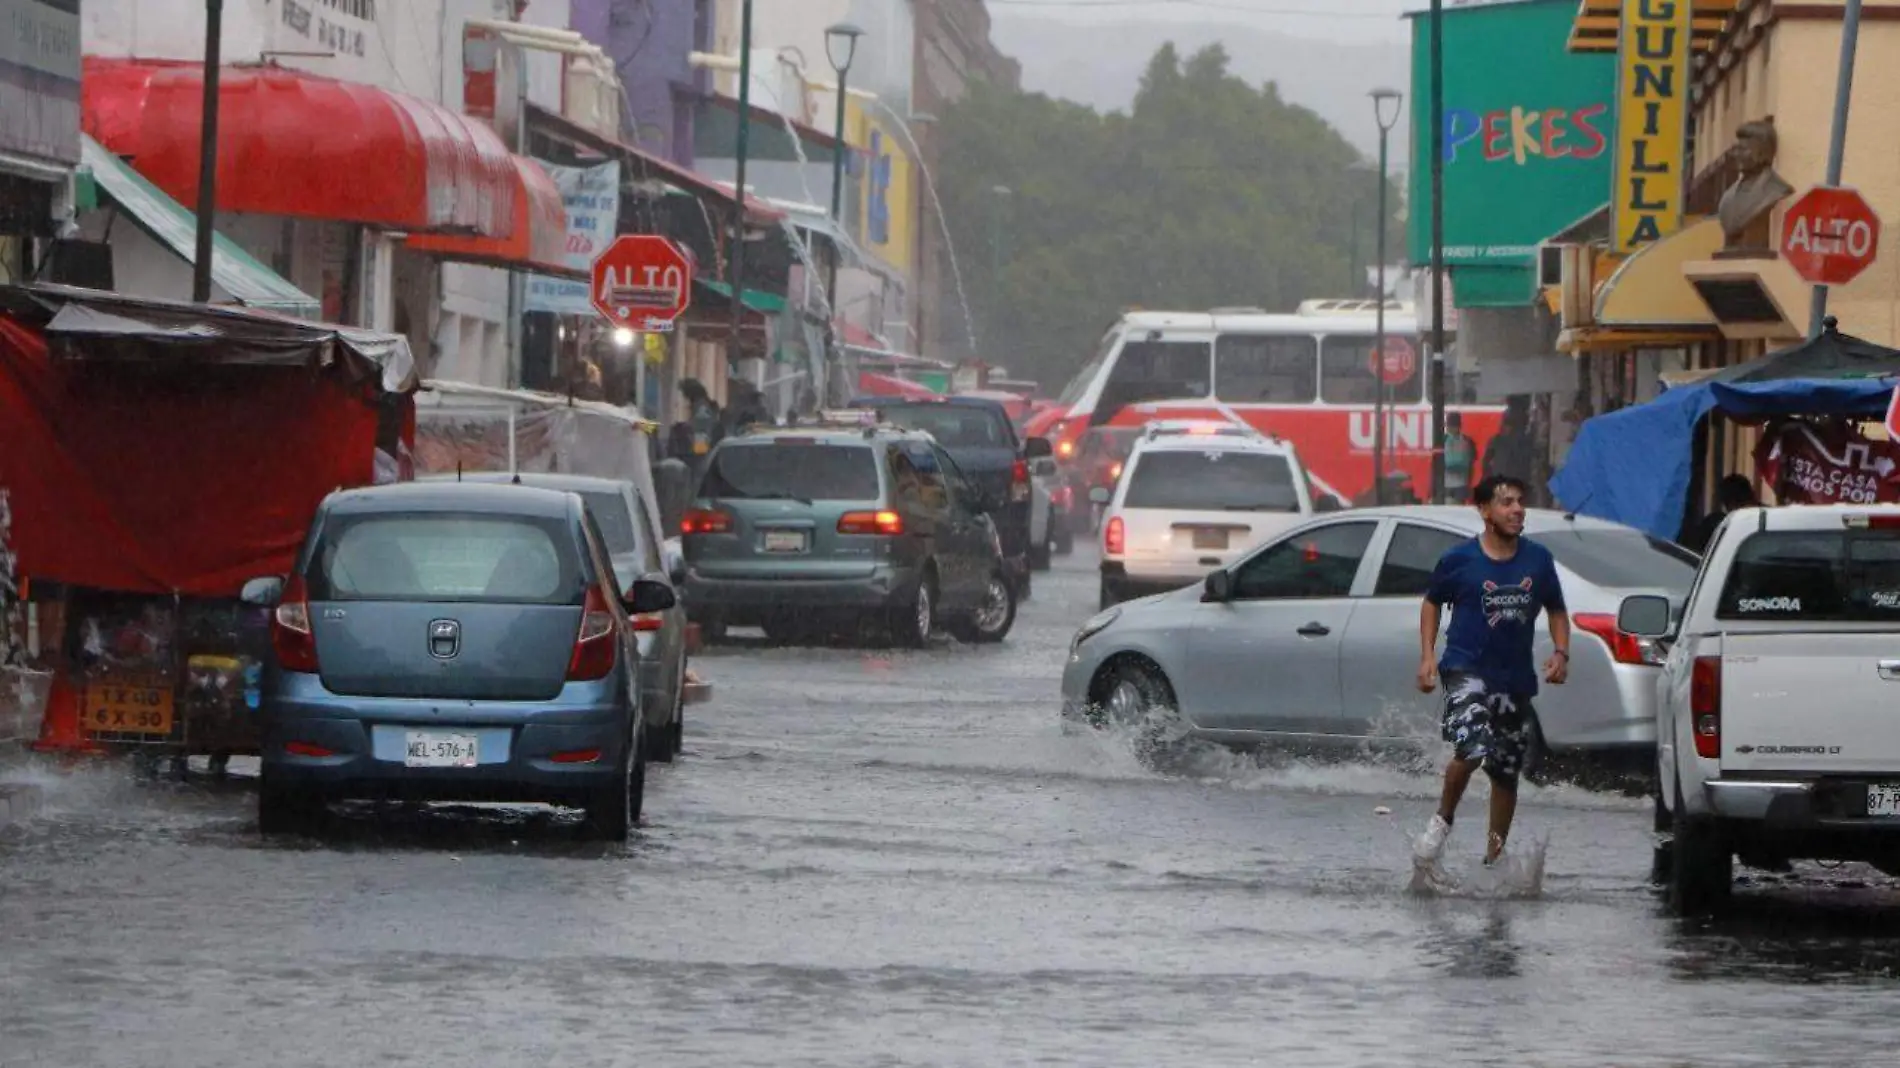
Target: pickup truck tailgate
1810, 702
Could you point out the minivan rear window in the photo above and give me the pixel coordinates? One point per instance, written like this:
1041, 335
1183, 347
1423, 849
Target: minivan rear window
793, 471
1621, 559
1214, 480
438, 556
1823, 576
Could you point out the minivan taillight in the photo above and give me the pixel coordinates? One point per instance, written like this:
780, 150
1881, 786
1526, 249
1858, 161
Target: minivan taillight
1705, 706
290, 633
887, 523
705, 521
595, 647
1114, 537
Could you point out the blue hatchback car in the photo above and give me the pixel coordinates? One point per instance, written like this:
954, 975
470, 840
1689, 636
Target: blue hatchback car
453, 641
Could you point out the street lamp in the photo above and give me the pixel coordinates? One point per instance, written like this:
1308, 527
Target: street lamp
1385, 109
735, 256
841, 46
208, 155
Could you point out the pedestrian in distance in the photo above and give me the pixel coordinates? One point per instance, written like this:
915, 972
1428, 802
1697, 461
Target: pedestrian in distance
1733, 493
1495, 585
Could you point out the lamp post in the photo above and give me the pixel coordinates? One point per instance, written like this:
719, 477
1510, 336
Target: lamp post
208, 155
841, 46
999, 203
1437, 380
1385, 108
736, 255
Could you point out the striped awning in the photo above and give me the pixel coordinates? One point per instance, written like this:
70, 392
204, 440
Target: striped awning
1598, 23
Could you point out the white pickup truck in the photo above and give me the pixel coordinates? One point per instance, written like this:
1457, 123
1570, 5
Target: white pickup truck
1778, 712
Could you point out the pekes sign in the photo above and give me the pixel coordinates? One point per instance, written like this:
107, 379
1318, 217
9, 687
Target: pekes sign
1527, 132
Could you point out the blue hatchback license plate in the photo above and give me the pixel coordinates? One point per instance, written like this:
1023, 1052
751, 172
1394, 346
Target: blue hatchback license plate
435, 749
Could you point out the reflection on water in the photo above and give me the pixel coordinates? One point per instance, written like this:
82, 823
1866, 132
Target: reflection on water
1462, 946
1795, 929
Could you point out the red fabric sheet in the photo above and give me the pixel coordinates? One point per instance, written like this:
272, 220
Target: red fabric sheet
154, 478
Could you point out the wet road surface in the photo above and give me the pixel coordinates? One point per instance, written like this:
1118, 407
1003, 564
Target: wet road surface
875, 858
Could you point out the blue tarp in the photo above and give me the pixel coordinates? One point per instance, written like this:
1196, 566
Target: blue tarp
1633, 465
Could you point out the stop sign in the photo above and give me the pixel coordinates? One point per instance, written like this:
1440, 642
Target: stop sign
1830, 235
1400, 360
643, 282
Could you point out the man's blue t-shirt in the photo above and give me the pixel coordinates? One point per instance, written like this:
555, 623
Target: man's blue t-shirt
1494, 608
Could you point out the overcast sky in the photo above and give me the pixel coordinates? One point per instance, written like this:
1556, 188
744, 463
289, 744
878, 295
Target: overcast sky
1335, 20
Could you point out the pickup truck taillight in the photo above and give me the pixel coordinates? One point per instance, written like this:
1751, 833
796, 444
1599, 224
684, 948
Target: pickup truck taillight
1625, 648
1114, 537
1705, 706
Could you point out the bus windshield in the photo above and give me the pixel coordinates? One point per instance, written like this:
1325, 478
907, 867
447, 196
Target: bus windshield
1083, 378
1156, 370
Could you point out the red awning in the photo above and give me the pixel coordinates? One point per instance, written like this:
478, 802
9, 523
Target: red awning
291, 143
872, 384
539, 239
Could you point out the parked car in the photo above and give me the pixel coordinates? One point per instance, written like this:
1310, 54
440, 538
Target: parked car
1312, 638
444, 641
636, 552
1196, 494
979, 436
1050, 530
1775, 723
818, 526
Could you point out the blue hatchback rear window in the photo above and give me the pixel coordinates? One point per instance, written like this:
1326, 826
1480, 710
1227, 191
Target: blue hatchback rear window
437, 556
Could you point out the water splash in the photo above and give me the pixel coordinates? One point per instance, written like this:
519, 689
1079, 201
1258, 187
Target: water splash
1517, 875
943, 223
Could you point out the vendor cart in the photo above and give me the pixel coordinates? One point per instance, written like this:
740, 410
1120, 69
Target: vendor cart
156, 455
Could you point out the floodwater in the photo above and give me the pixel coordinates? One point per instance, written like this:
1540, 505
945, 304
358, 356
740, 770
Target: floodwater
875, 858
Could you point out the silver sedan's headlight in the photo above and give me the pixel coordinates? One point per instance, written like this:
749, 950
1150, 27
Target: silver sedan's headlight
1096, 624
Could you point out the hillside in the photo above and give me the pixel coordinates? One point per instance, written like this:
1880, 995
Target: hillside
1100, 64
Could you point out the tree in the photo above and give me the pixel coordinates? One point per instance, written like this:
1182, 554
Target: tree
1206, 192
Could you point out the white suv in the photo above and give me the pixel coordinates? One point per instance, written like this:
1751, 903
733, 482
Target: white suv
1193, 496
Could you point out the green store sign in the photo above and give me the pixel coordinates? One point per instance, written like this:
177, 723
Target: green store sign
1529, 141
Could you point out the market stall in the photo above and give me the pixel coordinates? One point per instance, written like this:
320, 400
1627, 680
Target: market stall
1634, 465
156, 455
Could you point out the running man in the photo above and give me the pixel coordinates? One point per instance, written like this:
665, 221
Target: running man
1495, 584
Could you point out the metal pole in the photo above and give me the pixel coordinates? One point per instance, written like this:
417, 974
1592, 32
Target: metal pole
1355, 282
208, 155
1378, 351
837, 218
736, 254
1837, 140
1438, 249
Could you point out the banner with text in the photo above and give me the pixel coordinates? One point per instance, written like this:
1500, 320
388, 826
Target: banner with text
592, 196
1828, 463
1654, 60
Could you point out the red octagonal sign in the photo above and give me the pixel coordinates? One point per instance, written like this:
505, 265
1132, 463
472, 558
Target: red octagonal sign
1829, 235
643, 282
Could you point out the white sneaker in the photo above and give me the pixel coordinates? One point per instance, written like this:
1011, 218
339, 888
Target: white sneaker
1430, 844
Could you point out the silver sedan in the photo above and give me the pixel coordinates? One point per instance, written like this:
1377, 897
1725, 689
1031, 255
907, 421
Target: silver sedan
1312, 640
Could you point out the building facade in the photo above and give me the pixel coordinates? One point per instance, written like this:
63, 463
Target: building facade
39, 127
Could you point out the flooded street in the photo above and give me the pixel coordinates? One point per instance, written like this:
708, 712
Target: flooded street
875, 858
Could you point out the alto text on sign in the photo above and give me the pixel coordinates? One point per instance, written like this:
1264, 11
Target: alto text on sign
643, 282
1829, 235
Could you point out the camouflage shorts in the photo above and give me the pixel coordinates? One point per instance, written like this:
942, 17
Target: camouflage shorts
1485, 726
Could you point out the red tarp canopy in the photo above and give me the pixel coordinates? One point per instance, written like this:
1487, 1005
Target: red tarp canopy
872, 384
159, 447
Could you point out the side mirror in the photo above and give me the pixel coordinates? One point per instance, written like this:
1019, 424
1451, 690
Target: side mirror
1645, 615
1099, 495
1037, 449
650, 595
1218, 588
263, 592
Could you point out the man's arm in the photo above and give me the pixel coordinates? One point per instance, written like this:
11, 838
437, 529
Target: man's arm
1430, 613
1558, 668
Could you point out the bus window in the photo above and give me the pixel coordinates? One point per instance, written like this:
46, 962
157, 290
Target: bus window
1086, 376
1266, 369
1345, 375
1152, 371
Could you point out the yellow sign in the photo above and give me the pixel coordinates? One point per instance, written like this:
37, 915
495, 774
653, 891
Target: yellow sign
1654, 61
134, 705
887, 186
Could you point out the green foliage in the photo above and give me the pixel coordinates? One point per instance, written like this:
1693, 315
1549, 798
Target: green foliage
1208, 192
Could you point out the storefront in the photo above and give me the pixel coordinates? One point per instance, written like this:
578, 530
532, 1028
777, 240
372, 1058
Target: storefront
1730, 125
39, 127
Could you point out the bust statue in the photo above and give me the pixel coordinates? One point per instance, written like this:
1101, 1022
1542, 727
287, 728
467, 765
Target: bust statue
1745, 204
